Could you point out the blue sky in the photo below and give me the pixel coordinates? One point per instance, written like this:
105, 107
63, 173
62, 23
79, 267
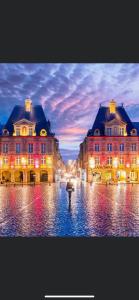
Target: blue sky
70, 94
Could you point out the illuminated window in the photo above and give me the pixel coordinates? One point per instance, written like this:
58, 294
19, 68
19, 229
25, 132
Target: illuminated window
97, 147
109, 161
17, 131
134, 160
121, 131
121, 147
109, 147
121, 160
17, 148
30, 148
5, 160
43, 132
5, 148
31, 131
24, 130
43, 148
43, 160
133, 147
97, 161
30, 160
109, 131
18, 161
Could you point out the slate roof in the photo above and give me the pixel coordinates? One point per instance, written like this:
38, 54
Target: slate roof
104, 115
36, 115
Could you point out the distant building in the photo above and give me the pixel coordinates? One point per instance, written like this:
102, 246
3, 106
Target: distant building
29, 150
110, 151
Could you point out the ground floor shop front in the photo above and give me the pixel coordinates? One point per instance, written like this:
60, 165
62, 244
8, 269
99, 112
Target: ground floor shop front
26, 176
108, 175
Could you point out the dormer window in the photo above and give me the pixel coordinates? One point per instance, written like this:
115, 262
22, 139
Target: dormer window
97, 132
5, 132
24, 127
133, 131
43, 132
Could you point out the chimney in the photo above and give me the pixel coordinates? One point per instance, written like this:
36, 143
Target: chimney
28, 105
112, 107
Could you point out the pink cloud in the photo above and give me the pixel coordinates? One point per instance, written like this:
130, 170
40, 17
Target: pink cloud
72, 130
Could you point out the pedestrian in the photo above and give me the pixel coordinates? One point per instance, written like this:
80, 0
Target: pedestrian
69, 188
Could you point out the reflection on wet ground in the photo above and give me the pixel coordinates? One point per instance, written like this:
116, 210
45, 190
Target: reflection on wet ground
44, 210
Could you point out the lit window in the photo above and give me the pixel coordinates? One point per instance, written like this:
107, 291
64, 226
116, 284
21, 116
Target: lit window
121, 160
30, 160
121, 147
17, 131
43, 132
109, 131
109, 147
18, 161
121, 131
43, 148
97, 161
31, 131
97, 147
17, 148
5, 148
30, 148
5, 160
43, 160
133, 147
134, 160
109, 160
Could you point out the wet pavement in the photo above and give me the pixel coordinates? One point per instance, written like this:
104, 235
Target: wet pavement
44, 210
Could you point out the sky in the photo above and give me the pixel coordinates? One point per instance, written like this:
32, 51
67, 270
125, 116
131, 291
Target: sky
70, 94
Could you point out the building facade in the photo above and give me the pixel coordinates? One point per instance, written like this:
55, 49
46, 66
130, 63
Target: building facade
29, 151
110, 151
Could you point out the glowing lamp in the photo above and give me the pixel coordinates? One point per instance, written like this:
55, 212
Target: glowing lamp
128, 165
115, 162
92, 163
36, 164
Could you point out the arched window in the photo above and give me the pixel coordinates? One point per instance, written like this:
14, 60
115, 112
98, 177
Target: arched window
134, 131
24, 130
43, 132
97, 132
5, 132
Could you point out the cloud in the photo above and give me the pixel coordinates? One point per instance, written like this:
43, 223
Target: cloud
69, 93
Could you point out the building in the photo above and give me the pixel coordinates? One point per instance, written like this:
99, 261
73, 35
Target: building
110, 151
29, 151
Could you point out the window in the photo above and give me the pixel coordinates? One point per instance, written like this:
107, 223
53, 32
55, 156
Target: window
18, 161
97, 161
133, 147
109, 131
31, 131
17, 131
97, 147
134, 132
17, 148
121, 160
5, 160
121, 147
109, 160
121, 130
30, 160
5, 148
134, 160
30, 148
109, 147
96, 132
43, 160
115, 130
43, 148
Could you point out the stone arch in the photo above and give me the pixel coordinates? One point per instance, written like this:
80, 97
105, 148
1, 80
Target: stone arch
44, 176
18, 176
6, 176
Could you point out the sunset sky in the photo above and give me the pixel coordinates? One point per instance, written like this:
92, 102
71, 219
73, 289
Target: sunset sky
70, 94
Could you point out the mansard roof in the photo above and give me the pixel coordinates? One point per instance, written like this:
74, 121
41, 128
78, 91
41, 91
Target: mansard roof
36, 115
104, 116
